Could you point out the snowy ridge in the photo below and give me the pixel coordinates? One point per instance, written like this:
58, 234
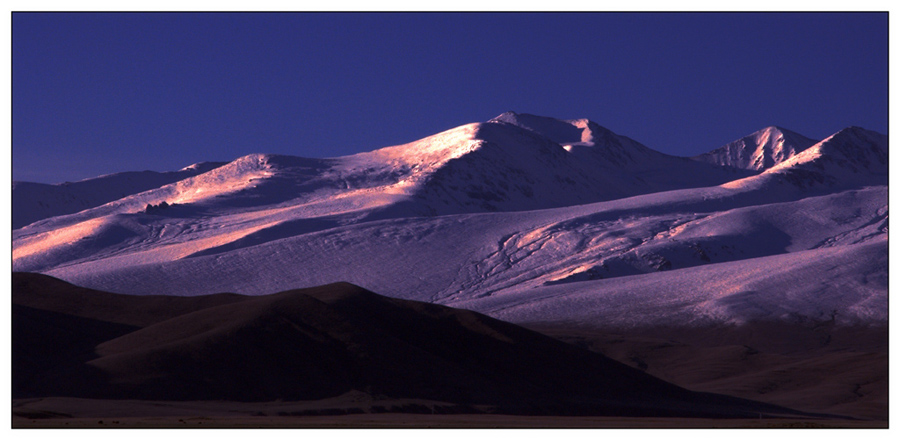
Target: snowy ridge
229, 178
759, 151
37, 201
520, 217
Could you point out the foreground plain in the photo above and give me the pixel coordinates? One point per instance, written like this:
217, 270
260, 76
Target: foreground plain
339, 355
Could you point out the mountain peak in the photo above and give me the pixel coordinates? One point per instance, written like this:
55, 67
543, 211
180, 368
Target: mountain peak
566, 132
559, 131
858, 131
505, 116
759, 150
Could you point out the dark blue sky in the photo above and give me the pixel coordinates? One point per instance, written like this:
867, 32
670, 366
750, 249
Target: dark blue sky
102, 93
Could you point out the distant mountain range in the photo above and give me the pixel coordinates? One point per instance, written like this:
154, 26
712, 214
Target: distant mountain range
522, 217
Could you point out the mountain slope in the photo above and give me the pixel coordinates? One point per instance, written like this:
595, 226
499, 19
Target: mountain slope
454, 259
845, 284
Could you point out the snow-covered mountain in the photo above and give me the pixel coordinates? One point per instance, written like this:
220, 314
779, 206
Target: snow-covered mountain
501, 165
851, 158
759, 151
524, 217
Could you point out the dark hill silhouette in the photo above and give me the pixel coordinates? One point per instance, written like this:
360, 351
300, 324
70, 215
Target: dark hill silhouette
321, 342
